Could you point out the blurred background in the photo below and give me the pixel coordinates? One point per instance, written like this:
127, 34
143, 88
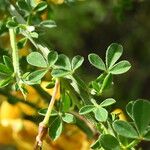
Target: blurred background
84, 27
92, 25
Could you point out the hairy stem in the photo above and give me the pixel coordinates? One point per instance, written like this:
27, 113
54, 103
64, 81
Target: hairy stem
15, 55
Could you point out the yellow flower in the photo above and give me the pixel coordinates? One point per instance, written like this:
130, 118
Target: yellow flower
120, 114
33, 97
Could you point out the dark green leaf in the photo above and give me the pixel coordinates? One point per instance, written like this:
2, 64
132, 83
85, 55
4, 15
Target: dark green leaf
141, 115
4, 76
77, 62
36, 59
48, 24
95, 86
109, 142
125, 129
63, 62
113, 53
82, 124
4, 69
23, 5
5, 82
68, 118
107, 82
147, 136
50, 85
66, 102
101, 114
41, 6
8, 62
107, 102
52, 58
101, 77
55, 128
121, 67
96, 61
11, 24
43, 112
21, 43
59, 73
96, 144
86, 109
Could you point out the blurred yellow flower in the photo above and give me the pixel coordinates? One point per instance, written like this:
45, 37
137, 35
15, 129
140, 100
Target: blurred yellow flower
120, 114
50, 91
56, 1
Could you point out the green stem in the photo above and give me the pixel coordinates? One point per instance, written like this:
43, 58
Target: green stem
15, 55
132, 144
50, 107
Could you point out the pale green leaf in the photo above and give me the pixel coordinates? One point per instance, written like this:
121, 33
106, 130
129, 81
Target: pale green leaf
113, 53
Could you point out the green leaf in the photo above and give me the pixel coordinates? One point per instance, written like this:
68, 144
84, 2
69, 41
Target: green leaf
113, 53
107, 82
3, 76
95, 86
66, 102
107, 102
129, 109
101, 77
52, 58
82, 124
36, 59
55, 128
68, 118
125, 129
101, 114
21, 43
77, 62
57, 73
48, 24
41, 6
43, 112
147, 136
4, 69
50, 85
11, 24
121, 67
23, 5
86, 109
96, 61
141, 115
63, 62
109, 142
5, 82
8, 62
36, 75
96, 144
